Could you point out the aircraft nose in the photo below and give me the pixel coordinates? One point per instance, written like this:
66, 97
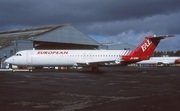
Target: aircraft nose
6, 61
9, 60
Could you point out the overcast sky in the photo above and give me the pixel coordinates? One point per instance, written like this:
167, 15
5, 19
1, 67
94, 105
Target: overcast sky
104, 20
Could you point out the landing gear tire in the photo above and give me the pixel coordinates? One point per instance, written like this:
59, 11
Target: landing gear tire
95, 69
30, 70
13, 70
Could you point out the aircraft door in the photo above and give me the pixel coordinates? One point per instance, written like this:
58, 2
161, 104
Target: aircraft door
118, 59
29, 57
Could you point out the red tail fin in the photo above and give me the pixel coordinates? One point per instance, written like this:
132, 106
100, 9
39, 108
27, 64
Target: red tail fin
145, 49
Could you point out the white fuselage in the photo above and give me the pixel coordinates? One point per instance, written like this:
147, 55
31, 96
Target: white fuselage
66, 57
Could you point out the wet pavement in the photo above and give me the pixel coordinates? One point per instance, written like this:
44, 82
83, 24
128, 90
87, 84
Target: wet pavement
112, 89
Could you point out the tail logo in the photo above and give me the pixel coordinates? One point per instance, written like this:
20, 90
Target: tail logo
146, 45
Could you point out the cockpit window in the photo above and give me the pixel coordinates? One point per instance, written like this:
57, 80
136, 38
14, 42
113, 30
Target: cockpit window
18, 54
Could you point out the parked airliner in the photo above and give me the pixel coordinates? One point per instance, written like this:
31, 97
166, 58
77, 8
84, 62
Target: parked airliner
92, 58
164, 61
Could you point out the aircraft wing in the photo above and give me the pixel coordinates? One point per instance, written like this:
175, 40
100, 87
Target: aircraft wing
92, 62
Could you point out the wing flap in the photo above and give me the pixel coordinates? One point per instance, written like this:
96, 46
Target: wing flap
95, 62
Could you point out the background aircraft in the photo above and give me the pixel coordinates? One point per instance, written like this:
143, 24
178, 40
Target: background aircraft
165, 61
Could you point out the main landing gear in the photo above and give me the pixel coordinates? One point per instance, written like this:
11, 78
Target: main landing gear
95, 69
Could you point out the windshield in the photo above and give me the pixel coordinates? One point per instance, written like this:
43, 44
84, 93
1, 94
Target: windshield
18, 54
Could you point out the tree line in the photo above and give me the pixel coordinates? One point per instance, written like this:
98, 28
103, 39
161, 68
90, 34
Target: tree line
166, 53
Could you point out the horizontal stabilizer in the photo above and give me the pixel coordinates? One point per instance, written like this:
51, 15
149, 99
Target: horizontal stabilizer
146, 49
